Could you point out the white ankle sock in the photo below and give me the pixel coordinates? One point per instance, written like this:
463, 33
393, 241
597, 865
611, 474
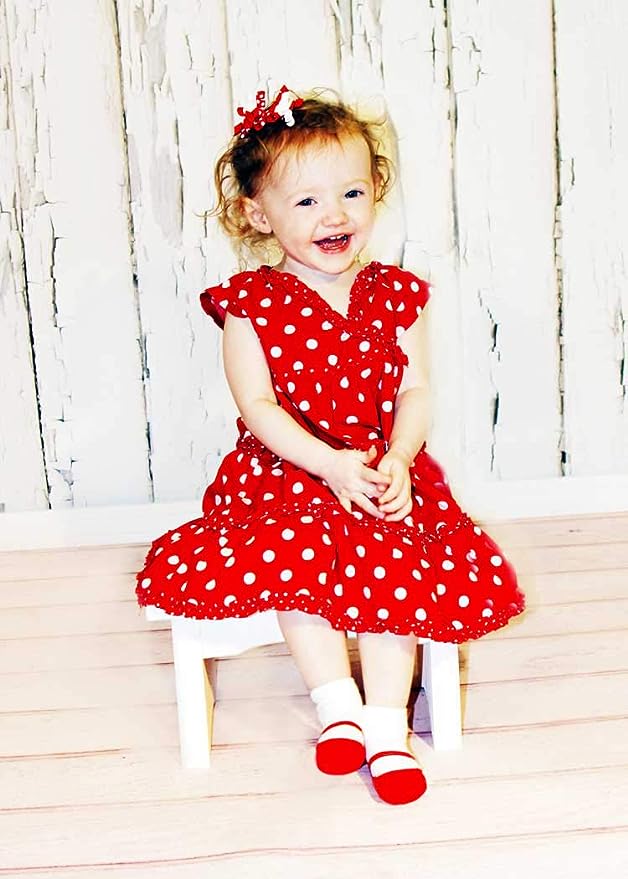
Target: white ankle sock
386, 729
337, 700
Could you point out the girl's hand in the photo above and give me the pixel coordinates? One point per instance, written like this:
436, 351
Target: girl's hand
353, 482
396, 501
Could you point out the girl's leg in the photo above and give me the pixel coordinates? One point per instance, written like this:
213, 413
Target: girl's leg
387, 669
320, 653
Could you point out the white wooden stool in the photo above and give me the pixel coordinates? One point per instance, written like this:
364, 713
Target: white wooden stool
194, 641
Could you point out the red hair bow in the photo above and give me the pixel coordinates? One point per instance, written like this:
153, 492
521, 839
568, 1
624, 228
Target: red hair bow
260, 114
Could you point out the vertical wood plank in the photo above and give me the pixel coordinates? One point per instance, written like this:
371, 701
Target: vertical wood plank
592, 89
174, 63
416, 66
505, 205
22, 475
71, 162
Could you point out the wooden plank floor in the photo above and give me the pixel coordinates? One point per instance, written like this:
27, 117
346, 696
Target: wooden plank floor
90, 781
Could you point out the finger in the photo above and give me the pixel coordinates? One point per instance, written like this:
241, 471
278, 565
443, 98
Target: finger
344, 502
395, 504
375, 476
405, 510
368, 506
395, 489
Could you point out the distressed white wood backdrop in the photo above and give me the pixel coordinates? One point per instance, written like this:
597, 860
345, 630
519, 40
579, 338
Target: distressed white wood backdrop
510, 127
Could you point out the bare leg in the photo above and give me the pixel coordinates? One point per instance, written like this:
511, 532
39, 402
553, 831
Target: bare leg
387, 668
319, 651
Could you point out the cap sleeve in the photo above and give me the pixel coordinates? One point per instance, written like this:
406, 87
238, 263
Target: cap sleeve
406, 296
236, 296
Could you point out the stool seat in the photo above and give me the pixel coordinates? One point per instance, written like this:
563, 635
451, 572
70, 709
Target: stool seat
195, 641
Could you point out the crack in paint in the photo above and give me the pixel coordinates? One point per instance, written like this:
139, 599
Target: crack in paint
558, 267
141, 335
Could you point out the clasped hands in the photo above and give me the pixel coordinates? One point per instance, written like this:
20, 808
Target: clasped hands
384, 493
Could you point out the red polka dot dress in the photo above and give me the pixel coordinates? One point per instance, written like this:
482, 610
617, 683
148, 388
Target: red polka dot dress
272, 535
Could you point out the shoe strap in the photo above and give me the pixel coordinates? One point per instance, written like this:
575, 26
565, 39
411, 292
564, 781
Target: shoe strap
391, 754
342, 723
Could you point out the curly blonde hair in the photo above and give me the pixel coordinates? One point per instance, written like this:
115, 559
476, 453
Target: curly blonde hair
246, 163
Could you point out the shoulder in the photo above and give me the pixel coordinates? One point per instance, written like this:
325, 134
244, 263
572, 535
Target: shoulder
402, 281
402, 293
238, 295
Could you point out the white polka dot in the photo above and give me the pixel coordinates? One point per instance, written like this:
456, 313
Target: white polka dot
496, 560
249, 578
414, 287
289, 329
297, 488
345, 336
173, 560
417, 574
200, 566
420, 614
145, 582
387, 406
306, 312
265, 303
396, 553
291, 387
425, 563
360, 550
324, 423
287, 533
487, 612
182, 568
326, 539
268, 555
350, 571
308, 554
211, 584
229, 600
456, 624
365, 373
473, 576
397, 285
303, 592
441, 589
332, 359
463, 601
322, 578
344, 382
497, 580
227, 551
353, 612
400, 593
367, 592
364, 346
268, 496
387, 367
304, 406
230, 562
379, 572
443, 505
265, 595
261, 321
307, 520
477, 530
447, 565
286, 575
326, 325
338, 589
312, 344
175, 537
297, 365
352, 419
383, 614
276, 351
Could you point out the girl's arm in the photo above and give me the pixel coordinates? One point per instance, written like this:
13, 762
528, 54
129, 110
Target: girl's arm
411, 422
249, 379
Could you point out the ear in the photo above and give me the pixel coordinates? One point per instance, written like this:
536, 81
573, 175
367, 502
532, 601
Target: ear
255, 215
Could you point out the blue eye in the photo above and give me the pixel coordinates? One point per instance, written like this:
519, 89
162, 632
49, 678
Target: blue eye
353, 193
304, 200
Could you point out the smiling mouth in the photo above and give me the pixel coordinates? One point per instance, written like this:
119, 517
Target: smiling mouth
334, 243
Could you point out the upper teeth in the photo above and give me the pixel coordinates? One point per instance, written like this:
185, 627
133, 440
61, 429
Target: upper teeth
334, 237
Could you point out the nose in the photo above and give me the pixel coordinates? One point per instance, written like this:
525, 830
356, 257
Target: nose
335, 214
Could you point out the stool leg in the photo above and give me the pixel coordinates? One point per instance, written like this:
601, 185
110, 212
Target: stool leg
440, 679
195, 693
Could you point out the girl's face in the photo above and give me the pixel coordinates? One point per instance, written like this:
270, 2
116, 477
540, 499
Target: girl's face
320, 205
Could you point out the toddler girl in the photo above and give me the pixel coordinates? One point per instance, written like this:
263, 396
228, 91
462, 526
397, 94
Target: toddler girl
329, 510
